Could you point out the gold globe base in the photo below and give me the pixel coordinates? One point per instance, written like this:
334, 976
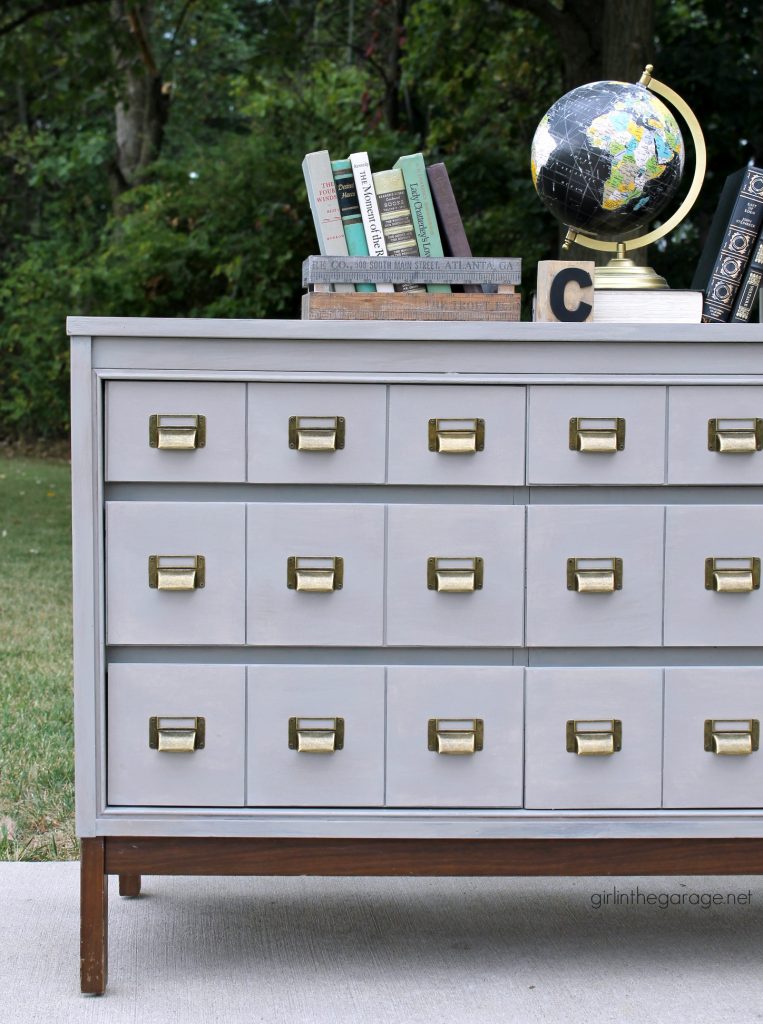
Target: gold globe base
622, 272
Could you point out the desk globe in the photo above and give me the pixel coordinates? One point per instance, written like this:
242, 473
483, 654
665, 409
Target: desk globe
606, 159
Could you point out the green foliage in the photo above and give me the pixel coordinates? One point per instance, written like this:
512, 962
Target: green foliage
219, 224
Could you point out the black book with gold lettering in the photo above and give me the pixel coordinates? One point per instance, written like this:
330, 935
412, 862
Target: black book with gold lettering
736, 249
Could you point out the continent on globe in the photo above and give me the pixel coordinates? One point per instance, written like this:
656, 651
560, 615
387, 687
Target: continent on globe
607, 158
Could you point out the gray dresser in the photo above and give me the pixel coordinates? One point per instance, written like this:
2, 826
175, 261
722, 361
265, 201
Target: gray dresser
416, 582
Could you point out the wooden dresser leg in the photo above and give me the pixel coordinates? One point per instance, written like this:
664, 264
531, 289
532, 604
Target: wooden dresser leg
129, 885
93, 916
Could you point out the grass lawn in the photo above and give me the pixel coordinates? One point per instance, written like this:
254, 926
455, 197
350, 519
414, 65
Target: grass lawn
36, 743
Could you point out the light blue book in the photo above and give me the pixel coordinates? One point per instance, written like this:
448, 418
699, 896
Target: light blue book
422, 210
349, 207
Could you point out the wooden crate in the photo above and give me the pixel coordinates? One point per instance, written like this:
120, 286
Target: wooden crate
410, 306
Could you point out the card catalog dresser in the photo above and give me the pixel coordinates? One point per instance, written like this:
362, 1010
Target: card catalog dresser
415, 598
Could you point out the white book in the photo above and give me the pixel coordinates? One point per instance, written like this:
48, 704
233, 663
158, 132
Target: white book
637, 306
321, 191
369, 210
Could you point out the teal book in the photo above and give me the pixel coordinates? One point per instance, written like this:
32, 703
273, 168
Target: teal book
422, 210
349, 207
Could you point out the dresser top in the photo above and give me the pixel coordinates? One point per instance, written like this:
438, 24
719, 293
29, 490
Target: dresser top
405, 331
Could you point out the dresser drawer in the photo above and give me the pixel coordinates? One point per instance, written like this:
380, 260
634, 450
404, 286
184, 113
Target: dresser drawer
712, 736
175, 572
176, 735
317, 433
456, 434
594, 575
455, 575
454, 736
712, 578
315, 574
173, 431
596, 435
715, 435
593, 737
316, 735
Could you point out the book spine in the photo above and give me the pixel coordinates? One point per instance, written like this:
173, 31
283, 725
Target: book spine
349, 208
422, 210
454, 240
397, 224
324, 205
369, 209
735, 253
747, 299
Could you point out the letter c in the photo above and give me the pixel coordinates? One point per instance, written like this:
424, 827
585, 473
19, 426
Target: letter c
558, 288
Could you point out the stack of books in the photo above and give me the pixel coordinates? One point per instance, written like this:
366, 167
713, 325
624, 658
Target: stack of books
730, 269
408, 212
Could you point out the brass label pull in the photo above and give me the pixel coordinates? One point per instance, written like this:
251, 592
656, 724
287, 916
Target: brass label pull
315, 574
595, 575
597, 434
176, 572
177, 433
455, 575
735, 436
172, 735
316, 433
455, 736
316, 735
456, 437
732, 575
732, 737
594, 738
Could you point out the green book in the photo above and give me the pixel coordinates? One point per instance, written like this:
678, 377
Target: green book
422, 210
349, 207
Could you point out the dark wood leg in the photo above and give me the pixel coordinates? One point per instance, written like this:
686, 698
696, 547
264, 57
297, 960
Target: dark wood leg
93, 916
129, 886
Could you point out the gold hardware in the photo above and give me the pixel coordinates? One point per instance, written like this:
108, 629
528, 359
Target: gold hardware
172, 735
177, 433
455, 575
176, 572
596, 738
455, 735
735, 436
456, 437
732, 737
595, 575
314, 574
597, 434
732, 575
316, 433
316, 735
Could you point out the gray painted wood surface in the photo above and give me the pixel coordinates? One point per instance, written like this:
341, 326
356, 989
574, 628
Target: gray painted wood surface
212, 776
465, 361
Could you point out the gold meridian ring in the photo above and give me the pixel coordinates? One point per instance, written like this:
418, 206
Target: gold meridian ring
700, 157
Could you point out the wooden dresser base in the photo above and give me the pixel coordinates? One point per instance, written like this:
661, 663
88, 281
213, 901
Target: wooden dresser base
130, 858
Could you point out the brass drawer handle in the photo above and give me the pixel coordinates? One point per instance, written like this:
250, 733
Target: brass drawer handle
316, 433
597, 434
455, 575
595, 575
594, 738
171, 735
316, 735
732, 575
176, 572
177, 433
456, 736
456, 436
735, 436
314, 574
732, 737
